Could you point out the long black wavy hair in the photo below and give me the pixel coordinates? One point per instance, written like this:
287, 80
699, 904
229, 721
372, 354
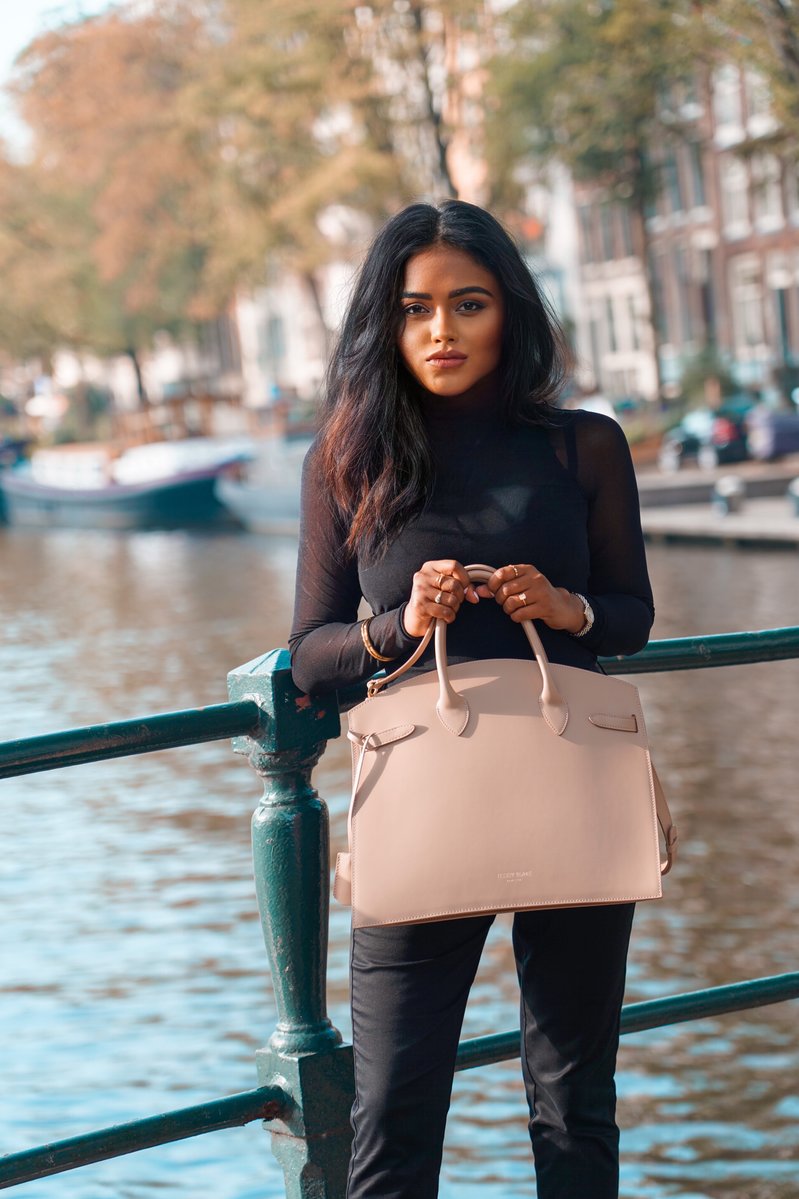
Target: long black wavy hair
373, 451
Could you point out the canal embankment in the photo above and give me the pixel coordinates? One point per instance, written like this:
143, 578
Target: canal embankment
746, 505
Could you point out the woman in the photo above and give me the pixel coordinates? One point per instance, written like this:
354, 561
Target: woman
441, 445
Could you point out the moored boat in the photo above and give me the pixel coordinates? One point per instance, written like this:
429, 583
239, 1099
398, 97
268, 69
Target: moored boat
159, 485
265, 497
261, 508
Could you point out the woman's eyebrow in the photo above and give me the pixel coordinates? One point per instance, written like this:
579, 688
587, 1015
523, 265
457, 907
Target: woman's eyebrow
459, 291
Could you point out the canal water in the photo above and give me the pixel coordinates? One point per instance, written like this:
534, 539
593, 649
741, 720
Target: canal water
133, 973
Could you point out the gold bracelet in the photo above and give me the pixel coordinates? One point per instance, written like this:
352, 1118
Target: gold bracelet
370, 649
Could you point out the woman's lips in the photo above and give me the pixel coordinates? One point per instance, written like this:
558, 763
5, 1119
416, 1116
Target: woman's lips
448, 361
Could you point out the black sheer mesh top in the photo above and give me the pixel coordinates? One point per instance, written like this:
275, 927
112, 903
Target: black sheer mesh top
563, 498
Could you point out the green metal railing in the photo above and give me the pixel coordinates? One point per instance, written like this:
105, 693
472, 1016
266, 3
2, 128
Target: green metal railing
305, 1071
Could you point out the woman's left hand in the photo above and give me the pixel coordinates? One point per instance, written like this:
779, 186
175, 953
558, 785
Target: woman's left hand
525, 594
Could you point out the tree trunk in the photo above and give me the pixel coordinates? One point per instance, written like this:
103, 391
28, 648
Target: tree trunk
141, 390
434, 117
316, 296
638, 206
80, 404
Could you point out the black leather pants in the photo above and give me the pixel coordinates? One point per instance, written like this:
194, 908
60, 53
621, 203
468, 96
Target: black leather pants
409, 989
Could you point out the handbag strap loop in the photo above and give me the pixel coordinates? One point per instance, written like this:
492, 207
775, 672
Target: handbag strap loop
452, 708
375, 686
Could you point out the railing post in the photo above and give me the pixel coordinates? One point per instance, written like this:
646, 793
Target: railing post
304, 1055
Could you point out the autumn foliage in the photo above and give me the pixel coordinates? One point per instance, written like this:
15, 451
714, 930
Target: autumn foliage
177, 148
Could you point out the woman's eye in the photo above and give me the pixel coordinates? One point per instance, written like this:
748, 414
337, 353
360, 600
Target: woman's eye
465, 306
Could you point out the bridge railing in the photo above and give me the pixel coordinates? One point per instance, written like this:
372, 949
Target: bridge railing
305, 1071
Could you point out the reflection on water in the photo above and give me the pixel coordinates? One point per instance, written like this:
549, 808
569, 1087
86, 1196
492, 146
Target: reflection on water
134, 977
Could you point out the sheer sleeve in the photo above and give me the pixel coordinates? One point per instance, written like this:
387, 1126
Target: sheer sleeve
618, 586
325, 641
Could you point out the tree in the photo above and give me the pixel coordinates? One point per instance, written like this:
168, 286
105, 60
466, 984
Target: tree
179, 148
326, 110
37, 263
763, 36
585, 84
107, 155
278, 107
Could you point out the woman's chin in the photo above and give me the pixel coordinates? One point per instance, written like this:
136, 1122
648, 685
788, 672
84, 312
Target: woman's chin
450, 387
447, 387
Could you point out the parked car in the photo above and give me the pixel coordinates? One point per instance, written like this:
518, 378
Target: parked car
772, 432
708, 437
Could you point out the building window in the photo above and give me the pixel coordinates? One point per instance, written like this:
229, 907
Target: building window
610, 324
671, 182
759, 110
586, 218
606, 229
783, 322
596, 356
625, 226
758, 94
706, 296
767, 192
632, 316
697, 174
727, 104
689, 97
792, 191
275, 339
735, 196
682, 271
779, 279
746, 291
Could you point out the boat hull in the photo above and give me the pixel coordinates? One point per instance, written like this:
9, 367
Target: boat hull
185, 501
261, 509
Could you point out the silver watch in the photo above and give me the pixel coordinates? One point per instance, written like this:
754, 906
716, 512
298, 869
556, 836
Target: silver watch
588, 616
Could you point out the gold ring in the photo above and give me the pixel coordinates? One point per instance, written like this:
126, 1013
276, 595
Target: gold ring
515, 572
439, 580
523, 598
437, 600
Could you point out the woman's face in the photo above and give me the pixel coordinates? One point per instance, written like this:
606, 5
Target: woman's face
451, 334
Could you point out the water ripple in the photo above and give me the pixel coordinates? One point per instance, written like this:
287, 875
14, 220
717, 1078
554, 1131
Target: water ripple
134, 976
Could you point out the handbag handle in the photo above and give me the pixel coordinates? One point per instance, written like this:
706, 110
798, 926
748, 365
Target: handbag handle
452, 708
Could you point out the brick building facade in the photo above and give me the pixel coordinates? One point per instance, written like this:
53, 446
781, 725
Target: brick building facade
722, 246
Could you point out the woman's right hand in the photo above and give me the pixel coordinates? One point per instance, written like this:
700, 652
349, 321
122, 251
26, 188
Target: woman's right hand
439, 589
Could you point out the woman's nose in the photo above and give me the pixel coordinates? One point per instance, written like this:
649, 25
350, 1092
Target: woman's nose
442, 328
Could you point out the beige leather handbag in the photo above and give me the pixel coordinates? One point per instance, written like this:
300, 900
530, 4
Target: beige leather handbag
499, 785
